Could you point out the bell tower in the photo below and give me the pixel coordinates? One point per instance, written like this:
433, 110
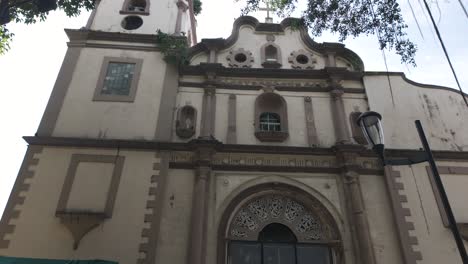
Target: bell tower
144, 17
115, 63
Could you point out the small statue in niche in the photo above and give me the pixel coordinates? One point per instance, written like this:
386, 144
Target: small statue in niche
186, 122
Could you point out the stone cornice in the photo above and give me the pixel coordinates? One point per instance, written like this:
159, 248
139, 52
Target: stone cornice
324, 48
422, 85
231, 148
252, 87
81, 35
204, 68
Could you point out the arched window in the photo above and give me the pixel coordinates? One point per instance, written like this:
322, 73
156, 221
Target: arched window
275, 229
271, 55
270, 122
271, 117
135, 6
186, 122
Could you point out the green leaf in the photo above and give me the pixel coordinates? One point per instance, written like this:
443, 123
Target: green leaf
29, 14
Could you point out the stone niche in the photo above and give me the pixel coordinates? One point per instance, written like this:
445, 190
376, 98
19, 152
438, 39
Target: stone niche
186, 122
271, 118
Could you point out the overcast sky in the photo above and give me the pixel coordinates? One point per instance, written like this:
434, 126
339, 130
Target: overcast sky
28, 71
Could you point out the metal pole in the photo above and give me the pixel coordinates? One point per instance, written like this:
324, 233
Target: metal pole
443, 194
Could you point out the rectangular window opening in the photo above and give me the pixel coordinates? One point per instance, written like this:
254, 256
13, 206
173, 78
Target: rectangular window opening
118, 79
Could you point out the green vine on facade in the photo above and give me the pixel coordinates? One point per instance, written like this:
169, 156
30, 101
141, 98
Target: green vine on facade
173, 48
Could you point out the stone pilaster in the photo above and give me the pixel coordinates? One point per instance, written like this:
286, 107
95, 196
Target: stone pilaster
209, 107
231, 137
182, 8
338, 110
204, 150
312, 138
347, 158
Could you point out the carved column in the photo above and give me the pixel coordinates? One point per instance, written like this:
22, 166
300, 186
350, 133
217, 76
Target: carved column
347, 157
204, 151
339, 113
182, 8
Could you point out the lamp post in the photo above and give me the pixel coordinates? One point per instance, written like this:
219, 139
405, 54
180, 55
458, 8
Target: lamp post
370, 123
42, 6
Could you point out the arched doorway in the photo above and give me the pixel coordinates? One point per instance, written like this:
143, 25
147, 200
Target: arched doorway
279, 228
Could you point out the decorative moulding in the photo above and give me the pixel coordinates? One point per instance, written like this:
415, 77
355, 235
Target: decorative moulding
271, 65
301, 59
122, 12
309, 222
401, 213
186, 146
271, 136
80, 223
18, 194
240, 58
185, 132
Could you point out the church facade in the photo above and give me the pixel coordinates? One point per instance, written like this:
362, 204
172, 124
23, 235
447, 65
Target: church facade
248, 154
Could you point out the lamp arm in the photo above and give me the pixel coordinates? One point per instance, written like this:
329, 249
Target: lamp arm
417, 158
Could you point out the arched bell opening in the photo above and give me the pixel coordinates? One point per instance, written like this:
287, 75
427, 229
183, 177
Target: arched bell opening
136, 6
271, 55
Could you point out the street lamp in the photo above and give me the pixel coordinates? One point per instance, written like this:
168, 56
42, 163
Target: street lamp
372, 128
370, 123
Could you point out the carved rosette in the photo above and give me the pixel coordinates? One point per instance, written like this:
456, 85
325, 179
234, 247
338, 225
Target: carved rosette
240, 58
302, 59
307, 224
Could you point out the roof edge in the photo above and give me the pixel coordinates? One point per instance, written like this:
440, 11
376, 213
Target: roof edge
406, 79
